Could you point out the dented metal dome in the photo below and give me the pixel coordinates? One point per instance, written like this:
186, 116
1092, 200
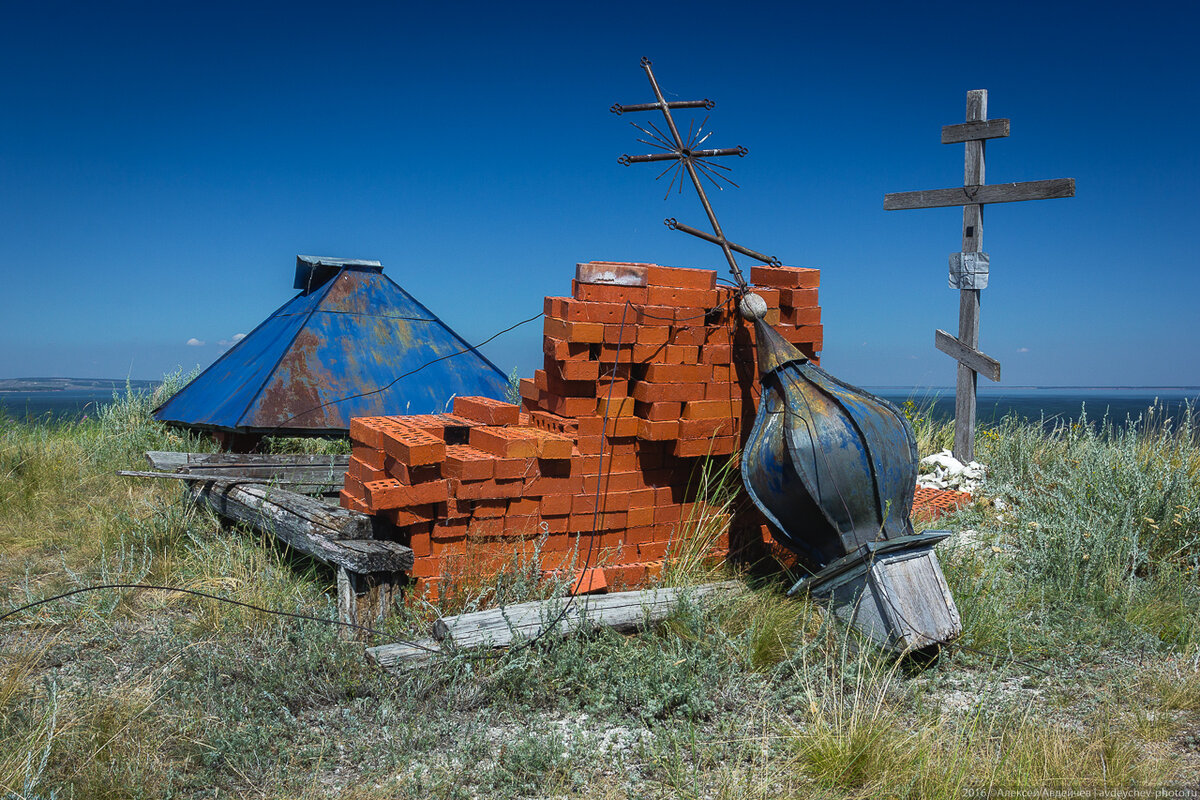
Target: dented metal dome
353, 343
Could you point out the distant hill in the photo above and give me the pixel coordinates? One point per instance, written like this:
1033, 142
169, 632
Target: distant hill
71, 384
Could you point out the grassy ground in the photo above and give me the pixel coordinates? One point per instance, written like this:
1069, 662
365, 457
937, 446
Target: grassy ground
1080, 665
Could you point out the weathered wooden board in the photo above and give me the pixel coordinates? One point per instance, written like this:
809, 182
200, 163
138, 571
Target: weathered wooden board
624, 611
970, 131
300, 473
307, 525
404, 655
985, 365
976, 194
169, 460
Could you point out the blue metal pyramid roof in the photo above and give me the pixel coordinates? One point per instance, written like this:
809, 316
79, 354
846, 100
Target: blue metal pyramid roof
327, 354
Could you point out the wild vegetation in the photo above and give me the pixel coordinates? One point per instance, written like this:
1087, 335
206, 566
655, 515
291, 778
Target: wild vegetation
1079, 665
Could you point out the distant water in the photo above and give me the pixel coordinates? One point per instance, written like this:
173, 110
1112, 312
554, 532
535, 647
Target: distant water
1051, 404
63, 405
1033, 404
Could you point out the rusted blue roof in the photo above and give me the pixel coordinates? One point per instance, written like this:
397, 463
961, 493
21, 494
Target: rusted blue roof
344, 347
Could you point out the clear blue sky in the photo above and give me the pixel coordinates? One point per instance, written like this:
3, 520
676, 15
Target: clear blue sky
161, 164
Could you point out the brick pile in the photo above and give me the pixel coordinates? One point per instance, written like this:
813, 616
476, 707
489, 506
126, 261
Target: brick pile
591, 474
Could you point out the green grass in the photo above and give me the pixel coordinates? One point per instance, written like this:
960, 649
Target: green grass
131, 694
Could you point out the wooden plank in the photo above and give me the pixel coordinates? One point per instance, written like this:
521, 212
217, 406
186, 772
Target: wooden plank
170, 461
985, 365
306, 525
969, 131
966, 379
399, 656
1051, 189
623, 611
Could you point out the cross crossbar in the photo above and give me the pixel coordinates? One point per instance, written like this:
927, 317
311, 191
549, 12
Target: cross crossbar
979, 194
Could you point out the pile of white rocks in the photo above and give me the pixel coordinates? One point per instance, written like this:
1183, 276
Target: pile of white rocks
944, 471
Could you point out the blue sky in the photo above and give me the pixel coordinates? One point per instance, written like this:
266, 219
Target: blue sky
161, 165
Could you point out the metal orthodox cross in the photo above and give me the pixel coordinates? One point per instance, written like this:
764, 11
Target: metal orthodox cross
969, 269
693, 160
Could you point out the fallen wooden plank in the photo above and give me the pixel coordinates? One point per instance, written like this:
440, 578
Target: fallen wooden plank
307, 525
404, 655
623, 611
981, 194
170, 461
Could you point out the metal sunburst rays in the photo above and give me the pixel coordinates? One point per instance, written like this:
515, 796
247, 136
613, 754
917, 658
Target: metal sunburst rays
688, 156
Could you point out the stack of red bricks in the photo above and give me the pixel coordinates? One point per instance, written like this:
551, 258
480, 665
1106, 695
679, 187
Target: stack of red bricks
647, 368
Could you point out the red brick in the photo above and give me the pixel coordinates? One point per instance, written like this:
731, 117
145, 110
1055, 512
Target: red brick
403, 517
528, 390
576, 332
667, 410
349, 501
677, 373
521, 525
554, 423
640, 516
561, 350
488, 526
556, 505
680, 297
552, 446
467, 463
642, 498
621, 426
505, 442
717, 336
694, 448
609, 313
681, 354
712, 409
486, 410
589, 444
575, 370
589, 581
410, 475
564, 308
489, 507
706, 427
646, 392
508, 469
421, 544
365, 472
651, 315
801, 316
391, 493
366, 431
785, 277
688, 336
633, 334
658, 431
559, 523
570, 406
369, 456
681, 277
444, 531
615, 407
612, 387
612, 272
489, 490
798, 298
413, 447
607, 293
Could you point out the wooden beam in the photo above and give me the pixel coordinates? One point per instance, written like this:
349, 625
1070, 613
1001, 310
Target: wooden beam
970, 131
983, 364
170, 461
624, 611
980, 194
306, 525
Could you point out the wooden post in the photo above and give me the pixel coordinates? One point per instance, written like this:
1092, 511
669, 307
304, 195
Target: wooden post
968, 299
966, 273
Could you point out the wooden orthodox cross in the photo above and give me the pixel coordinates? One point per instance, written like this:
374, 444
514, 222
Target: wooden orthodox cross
969, 268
